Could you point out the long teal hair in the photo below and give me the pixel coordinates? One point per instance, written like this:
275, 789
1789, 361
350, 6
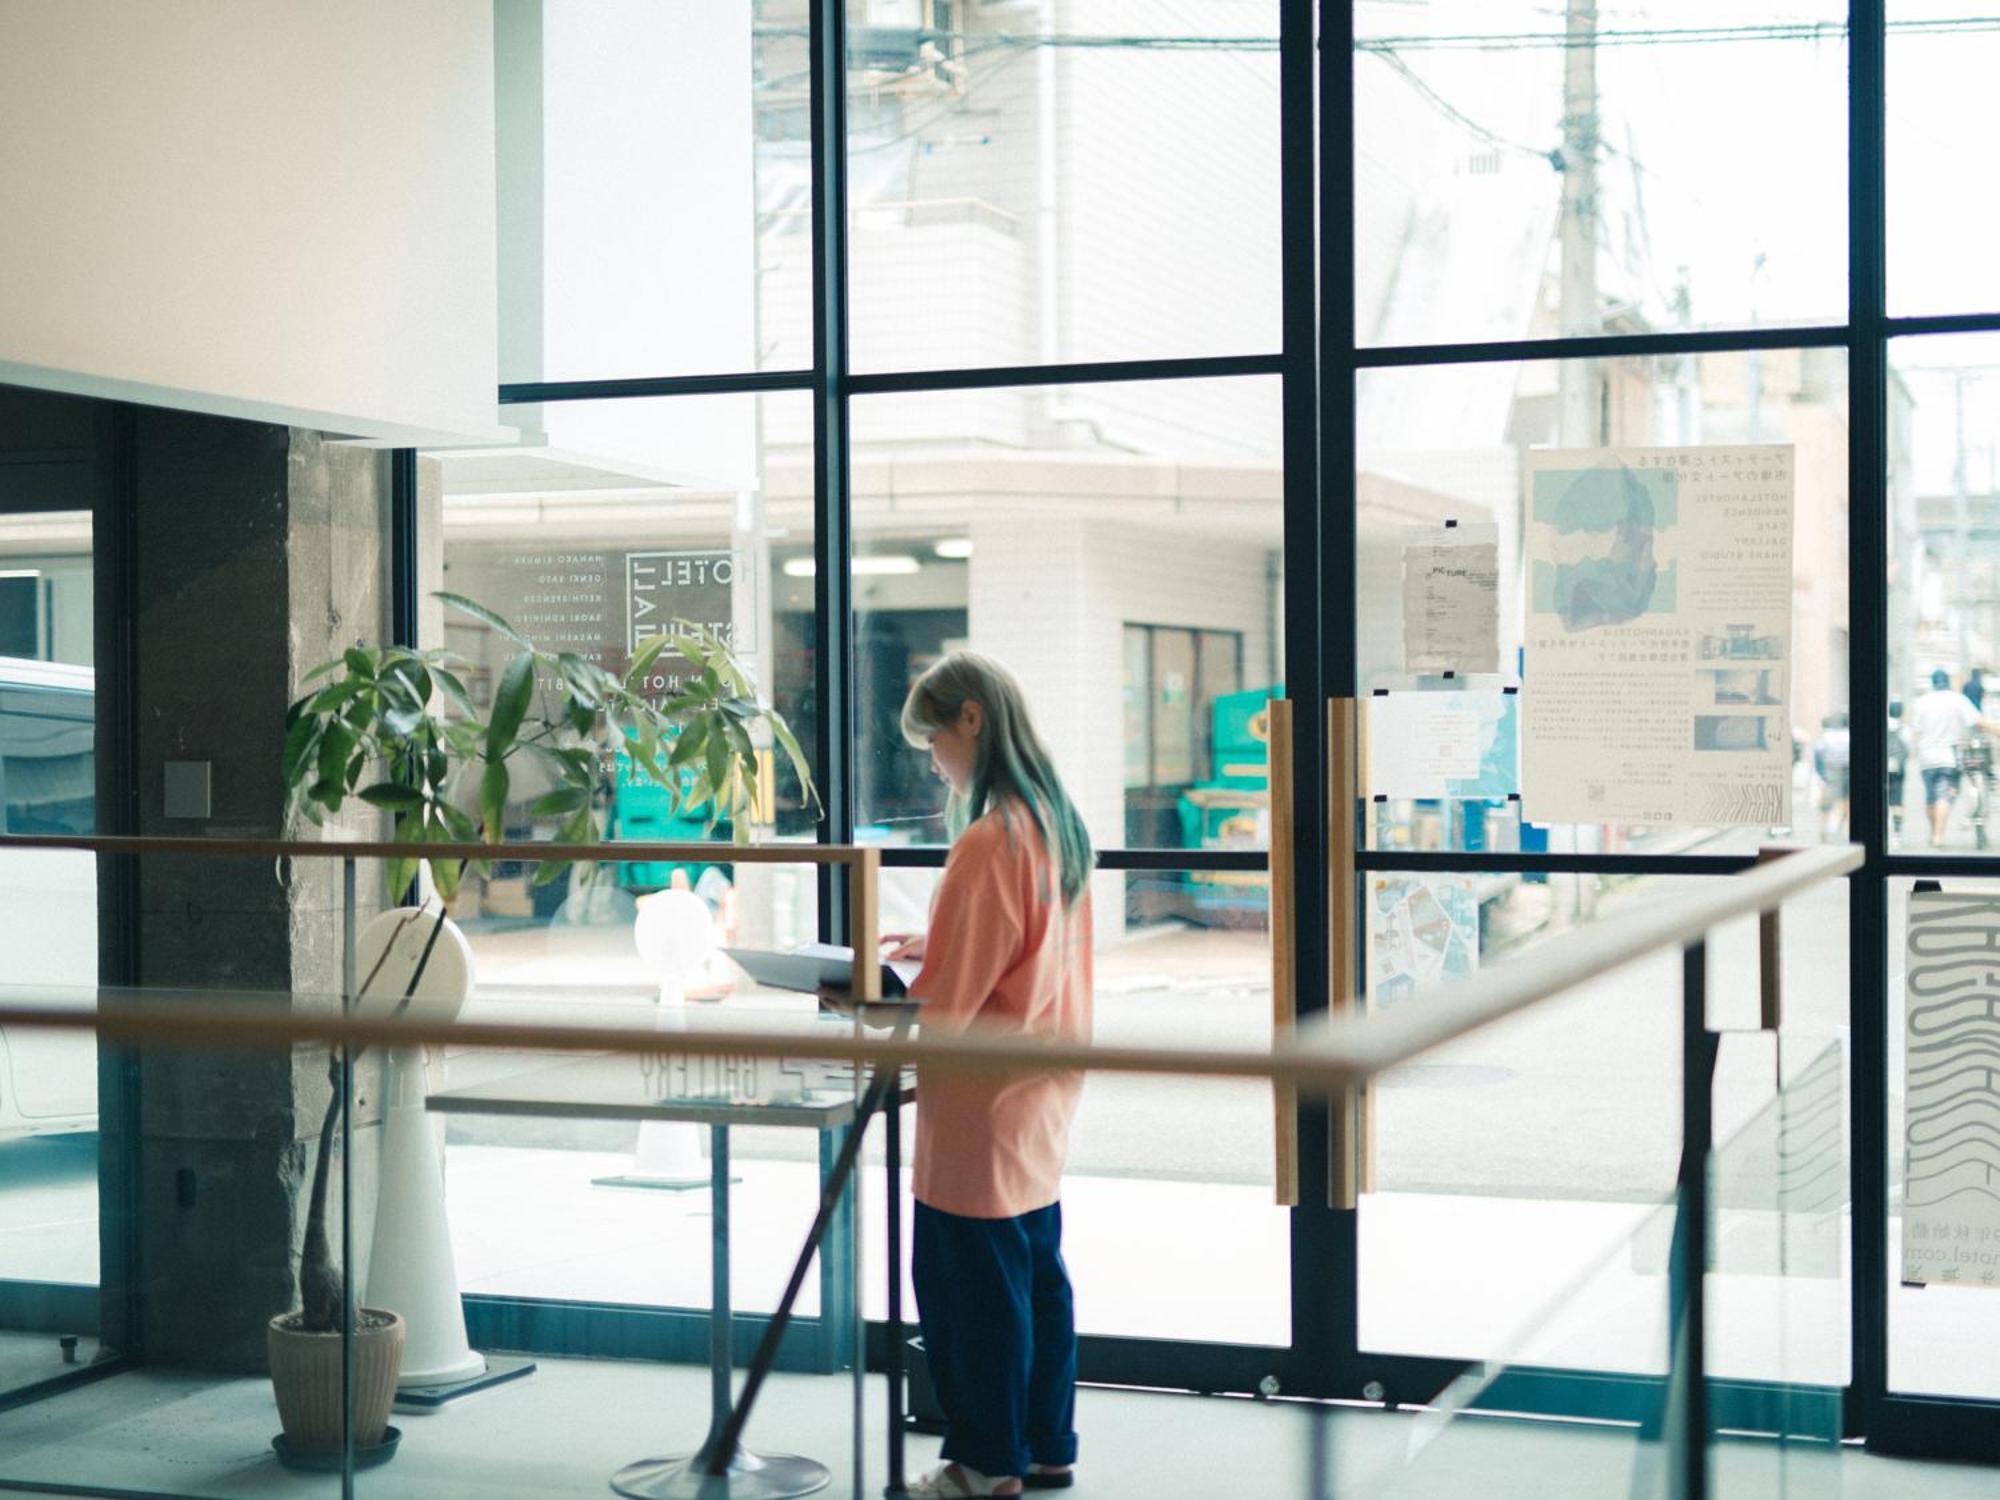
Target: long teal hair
1011, 761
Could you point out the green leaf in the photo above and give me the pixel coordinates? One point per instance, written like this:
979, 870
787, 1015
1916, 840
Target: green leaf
397, 798
717, 753
301, 740
690, 647
642, 662
402, 723
688, 744
480, 612
330, 698
414, 678
361, 663
335, 746
454, 691
562, 800
510, 704
459, 821
320, 671
788, 742
400, 871
583, 678
493, 785
645, 751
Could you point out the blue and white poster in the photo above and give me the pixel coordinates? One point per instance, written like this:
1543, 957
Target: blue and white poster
1656, 666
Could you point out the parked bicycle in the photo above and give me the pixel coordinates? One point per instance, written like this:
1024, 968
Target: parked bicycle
1974, 759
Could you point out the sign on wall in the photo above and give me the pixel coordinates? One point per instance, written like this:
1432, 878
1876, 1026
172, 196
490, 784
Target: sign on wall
1451, 599
604, 605
667, 591
1951, 1090
1656, 675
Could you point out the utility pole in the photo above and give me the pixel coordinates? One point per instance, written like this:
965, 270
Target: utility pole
1580, 426
1962, 519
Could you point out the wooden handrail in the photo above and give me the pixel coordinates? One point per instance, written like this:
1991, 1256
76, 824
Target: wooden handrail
190, 1018
616, 852
1375, 1042
1325, 1054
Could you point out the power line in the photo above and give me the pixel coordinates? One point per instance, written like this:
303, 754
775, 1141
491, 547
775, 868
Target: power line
1551, 155
1775, 31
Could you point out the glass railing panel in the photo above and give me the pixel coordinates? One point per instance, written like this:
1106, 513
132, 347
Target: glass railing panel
1542, 1140
1777, 1274
510, 1396
1619, 1295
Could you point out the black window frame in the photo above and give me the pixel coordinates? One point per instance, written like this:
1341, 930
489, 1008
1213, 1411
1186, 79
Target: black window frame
1318, 362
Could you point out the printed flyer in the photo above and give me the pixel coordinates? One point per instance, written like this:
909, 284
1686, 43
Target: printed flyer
1656, 672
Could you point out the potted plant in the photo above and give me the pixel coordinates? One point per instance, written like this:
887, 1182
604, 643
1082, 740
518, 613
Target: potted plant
396, 729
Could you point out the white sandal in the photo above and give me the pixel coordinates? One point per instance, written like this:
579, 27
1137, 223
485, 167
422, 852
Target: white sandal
958, 1482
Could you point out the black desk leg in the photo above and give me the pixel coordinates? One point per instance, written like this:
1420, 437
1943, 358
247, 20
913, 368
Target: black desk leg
722, 1313
892, 1142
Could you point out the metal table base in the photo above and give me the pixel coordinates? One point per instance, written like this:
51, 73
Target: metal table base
706, 1475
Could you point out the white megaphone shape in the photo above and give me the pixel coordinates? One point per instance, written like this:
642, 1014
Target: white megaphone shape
410, 1267
673, 932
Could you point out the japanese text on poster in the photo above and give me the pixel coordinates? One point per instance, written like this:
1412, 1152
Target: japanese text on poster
1657, 662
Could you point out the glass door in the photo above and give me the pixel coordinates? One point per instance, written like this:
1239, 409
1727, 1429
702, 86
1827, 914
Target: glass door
50, 1256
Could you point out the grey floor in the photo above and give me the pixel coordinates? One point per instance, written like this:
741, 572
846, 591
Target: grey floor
564, 1430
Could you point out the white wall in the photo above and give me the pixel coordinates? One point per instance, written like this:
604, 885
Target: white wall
264, 208
1051, 600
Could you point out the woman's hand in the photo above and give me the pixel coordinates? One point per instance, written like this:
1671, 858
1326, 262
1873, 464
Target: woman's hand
902, 946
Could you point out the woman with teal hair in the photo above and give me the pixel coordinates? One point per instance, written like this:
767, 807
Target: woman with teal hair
1008, 950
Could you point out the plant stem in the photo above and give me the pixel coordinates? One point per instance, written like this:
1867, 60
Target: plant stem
319, 1281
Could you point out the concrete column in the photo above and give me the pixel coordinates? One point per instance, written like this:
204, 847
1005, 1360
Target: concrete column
260, 551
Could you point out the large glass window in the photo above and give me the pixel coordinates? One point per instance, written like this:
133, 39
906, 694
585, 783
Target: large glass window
1119, 547
610, 523
1940, 55
49, 1249
1944, 591
1043, 184
1448, 451
1526, 170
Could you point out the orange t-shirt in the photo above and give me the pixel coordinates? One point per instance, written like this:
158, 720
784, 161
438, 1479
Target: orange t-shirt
1005, 955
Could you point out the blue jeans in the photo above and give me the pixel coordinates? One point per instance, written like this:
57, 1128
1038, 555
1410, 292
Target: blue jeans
993, 1300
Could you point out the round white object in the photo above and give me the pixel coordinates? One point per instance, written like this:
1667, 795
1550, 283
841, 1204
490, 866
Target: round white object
673, 932
403, 934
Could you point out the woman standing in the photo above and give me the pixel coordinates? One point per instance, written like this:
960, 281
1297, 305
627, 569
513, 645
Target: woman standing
1008, 951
